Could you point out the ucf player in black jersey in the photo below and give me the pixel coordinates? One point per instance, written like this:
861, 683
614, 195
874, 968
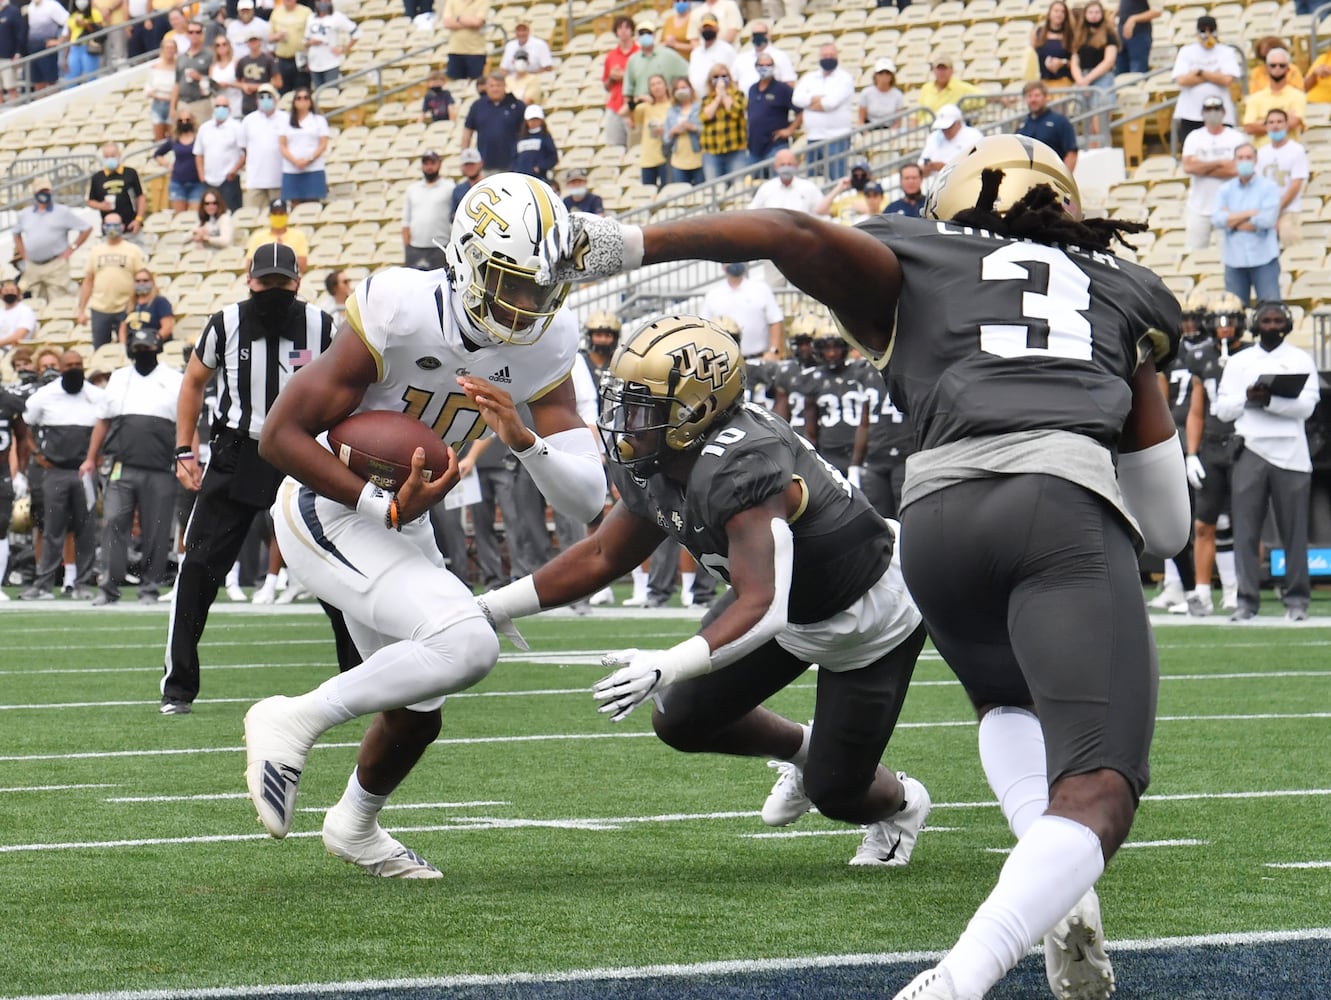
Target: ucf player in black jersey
813, 575
884, 441
789, 381
834, 399
1025, 352
13, 460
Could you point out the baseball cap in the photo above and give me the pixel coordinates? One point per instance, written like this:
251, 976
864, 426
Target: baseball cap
873, 187
274, 258
533, 111
470, 156
267, 88
645, 25
575, 173
277, 207
244, 4
254, 35
430, 154
947, 116
885, 66
41, 184
1213, 103
709, 19
144, 337
862, 164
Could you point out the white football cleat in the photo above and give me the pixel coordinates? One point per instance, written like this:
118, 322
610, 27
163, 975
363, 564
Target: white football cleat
1229, 598
234, 593
264, 595
293, 593
275, 750
787, 801
375, 851
889, 842
634, 602
932, 984
1074, 954
603, 596
1170, 595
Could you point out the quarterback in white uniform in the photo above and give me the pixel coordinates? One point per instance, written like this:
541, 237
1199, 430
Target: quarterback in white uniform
454, 348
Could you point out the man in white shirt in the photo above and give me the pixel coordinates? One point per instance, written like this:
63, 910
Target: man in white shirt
1204, 68
950, 136
1208, 158
746, 73
711, 51
329, 38
1285, 162
263, 154
1275, 467
219, 152
427, 216
826, 96
728, 19
539, 59
17, 320
245, 25
786, 190
751, 304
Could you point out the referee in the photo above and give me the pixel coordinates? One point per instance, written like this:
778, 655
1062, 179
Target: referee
253, 348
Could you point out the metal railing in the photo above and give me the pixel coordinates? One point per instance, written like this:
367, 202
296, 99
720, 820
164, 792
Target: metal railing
1322, 338
1320, 14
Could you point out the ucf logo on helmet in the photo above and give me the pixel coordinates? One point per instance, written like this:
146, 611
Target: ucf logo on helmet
703, 363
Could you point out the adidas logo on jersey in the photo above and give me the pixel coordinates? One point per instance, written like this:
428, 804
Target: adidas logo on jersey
501, 375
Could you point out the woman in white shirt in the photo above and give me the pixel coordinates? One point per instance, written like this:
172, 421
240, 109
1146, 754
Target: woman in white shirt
879, 102
303, 142
161, 79
223, 73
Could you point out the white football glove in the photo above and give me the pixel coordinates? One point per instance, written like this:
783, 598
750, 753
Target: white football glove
20, 486
854, 474
645, 672
1196, 472
500, 621
591, 248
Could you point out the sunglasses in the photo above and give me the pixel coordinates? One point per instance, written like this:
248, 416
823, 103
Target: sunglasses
194, 31
1277, 65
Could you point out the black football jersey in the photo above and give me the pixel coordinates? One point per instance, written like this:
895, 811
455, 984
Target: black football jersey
842, 545
759, 380
791, 377
1210, 373
11, 410
838, 395
1192, 358
998, 335
891, 437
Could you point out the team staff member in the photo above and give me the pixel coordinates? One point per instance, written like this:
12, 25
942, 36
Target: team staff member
253, 347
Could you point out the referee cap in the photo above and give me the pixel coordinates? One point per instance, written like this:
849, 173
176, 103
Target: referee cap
274, 258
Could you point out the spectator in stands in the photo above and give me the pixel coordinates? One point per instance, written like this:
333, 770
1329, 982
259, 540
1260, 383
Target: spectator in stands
1048, 126
826, 96
1246, 209
846, 199
177, 30
1204, 68
17, 320
494, 121
726, 15
224, 77
1095, 53
1258, 79
303, 142
216, 229
161, 81
522, 83
683, 127
523, 45
279, 232
1052, 40
786, 190
472, 166
13, 34
751, 303
46, 23
427, 216
1318, 80
116, 188
674, 29
882, 99
338, 286
650, 117
648, 60
286, 33
612, 78
772, 115
760, 44
944, 88
911, 179
246, 24
108, 282
1134, 28
149, 311
709, 52
219, 152
535, 152
41, 241
329, 38
1285, 163
83, 57
263, 149
438, 105
185, 187
192, 76
578, 197
1280, 93
1208, 159
724, 116
255, 70
949, 136
465, 21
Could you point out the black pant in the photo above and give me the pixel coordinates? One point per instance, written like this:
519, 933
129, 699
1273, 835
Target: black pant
65, 502
152, 493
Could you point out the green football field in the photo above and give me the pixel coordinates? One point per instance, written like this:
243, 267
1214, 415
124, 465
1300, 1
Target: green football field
130, 858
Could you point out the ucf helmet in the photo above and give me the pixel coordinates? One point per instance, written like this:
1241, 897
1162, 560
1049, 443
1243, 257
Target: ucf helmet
1197, 311
1026, 163
20, 520
801, 331
665, 386
603, 319
1228, 311
504, 230
829, 337
728, 324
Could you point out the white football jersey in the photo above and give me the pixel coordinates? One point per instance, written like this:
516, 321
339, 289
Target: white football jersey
405, 318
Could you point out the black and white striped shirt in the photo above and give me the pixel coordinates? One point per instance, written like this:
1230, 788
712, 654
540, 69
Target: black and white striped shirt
252, 369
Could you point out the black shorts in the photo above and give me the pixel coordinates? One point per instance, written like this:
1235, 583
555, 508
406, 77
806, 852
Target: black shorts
1029, 586
1212, 499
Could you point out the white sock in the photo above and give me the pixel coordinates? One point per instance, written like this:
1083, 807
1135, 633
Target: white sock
687, 585
4, 560
71, 574
1204, 592
363, 805
233, 576
1013, 758
1224, 565
270, 582
1172, 579
801, 756
1051, 868
639, 584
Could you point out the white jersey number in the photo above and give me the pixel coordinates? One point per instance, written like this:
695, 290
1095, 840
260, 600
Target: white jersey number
1053, 312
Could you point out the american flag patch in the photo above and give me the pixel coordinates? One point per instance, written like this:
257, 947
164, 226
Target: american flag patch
298, 359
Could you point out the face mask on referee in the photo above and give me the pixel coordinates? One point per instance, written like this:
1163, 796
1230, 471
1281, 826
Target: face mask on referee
269, 307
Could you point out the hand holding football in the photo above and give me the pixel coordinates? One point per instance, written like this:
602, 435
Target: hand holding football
377, 445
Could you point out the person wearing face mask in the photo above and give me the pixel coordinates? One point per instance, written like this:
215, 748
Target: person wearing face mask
1284, 162
681, 139
184, 188
427, 216
534, 152
724, 13
1208, 159
761, 45
617, 111
438, 104
263, 149
525, 45
786, 189
1274, 466
472, 166
61, 416
41, 241
254, 70
750, 302
674, 29
578, 197
725, 127
651, 59
85, 53
219, 152
711, 52
522, 83
149, 311
1246, 209
1095, 53
108, 282
826, 96
329, 38
133, 443
1204, 68
279, 231
17, 321
1279, 94
772, 116
117, 188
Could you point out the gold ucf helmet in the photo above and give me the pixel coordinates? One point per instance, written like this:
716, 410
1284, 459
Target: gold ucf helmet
728, 324
20, 520
803, 326
603, 319
1026, 163
827, 336
665, 386
1196, 308
1227, 311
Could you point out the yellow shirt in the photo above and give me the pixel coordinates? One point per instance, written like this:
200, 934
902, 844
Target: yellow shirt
293, 238
650, 152
467, 41
1295, 102
81, 24
931, 97
1320, 92
117, 16
1258, 80
293, 23
112, 268
673, 29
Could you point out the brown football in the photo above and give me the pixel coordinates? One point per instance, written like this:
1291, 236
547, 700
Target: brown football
378, 444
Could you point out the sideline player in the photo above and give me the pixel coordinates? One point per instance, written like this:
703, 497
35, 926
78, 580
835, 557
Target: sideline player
437, 345
813, 579
1026, 359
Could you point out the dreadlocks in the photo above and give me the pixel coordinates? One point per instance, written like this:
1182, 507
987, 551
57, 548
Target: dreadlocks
1039, 217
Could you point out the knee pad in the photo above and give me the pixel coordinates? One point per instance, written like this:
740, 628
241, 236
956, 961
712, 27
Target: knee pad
465, 651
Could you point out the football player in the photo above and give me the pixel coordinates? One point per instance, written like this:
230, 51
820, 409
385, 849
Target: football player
788, 381
601, 336
1025, 352
457, 348
13, 460
813, 574
834, 400
884, 441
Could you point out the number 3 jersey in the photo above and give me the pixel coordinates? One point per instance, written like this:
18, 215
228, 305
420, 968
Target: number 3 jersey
841, 544
406, 319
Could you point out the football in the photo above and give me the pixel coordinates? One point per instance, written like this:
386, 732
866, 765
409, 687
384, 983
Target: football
378, 444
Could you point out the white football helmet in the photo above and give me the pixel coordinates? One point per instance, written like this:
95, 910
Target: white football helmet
506, 229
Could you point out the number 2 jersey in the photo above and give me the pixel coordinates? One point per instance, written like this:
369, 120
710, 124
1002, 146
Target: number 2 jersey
841, 544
